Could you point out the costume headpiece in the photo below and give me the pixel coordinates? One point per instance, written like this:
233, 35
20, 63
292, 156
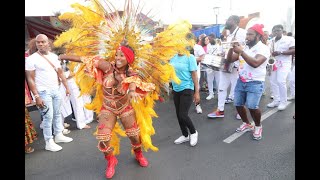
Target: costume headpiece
128, 53
258, 28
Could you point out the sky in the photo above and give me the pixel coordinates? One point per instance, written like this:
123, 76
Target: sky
272, 12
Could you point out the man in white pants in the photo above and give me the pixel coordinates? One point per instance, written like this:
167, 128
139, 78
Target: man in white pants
284, 48
43, 71
213, 75
199, 54
236, 34
65, 109
292, 81
87, 113
77, 103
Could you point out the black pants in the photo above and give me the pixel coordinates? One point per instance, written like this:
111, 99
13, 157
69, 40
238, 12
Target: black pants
182, 101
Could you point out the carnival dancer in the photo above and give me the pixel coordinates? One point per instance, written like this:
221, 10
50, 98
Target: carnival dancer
124, 73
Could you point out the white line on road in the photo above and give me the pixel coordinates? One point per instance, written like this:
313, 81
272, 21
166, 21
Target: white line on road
235, 135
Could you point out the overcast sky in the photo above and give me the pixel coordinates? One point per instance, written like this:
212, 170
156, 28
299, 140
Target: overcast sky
272, 12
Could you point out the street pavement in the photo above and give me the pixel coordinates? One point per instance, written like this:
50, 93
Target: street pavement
271, 158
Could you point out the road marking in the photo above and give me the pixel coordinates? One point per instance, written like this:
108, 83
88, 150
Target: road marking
235, 135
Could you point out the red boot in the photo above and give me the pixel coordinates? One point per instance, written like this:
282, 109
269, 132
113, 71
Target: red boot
112, 162
141, 159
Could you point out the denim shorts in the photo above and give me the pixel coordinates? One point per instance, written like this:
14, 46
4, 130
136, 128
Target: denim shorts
248, 93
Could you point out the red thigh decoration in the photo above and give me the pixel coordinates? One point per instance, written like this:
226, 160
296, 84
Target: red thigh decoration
103, 146
104, 113
134, 131
128, 111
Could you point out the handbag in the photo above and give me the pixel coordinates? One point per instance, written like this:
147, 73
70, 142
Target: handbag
55, 69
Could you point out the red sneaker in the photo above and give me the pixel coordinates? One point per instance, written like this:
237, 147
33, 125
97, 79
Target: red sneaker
216, 114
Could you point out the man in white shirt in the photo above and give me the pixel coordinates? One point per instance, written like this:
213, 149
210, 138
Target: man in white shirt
199, 54
43, 71
226, 78
213, 48
252, 73
283, 48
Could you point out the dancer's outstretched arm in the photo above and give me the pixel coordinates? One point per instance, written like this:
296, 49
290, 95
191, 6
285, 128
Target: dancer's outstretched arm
99, 63
70, 58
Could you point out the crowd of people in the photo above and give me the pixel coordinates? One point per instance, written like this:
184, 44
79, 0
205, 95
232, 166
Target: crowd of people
116, 87
251, 67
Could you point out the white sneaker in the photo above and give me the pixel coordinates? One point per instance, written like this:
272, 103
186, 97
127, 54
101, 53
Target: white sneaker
66, 125
62, 138
257, 134
273, 104
291, 98
66, 131
41, 125
194, 139
182, 139
271, 97
211, 96
282, 106
238, 116
198, 109
244, 127
228, 100
52, 146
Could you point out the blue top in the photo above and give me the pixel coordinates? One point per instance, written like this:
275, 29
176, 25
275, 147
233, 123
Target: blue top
183, 66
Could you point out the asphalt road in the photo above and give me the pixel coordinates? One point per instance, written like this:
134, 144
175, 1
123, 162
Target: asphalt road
273, 157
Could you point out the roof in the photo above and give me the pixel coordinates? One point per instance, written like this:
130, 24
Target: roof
48, 25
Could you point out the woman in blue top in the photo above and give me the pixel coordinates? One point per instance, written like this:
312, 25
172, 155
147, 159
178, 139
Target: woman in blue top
183, 95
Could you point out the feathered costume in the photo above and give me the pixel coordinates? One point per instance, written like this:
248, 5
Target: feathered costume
97, 31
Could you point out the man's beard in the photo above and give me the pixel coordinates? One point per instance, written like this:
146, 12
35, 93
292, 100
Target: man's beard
251, 43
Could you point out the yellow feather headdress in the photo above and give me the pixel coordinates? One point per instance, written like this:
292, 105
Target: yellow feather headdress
99, 28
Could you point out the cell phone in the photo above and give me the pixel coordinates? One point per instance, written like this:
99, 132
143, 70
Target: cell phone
44, 110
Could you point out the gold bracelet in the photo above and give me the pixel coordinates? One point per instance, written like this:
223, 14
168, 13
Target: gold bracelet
36, 96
